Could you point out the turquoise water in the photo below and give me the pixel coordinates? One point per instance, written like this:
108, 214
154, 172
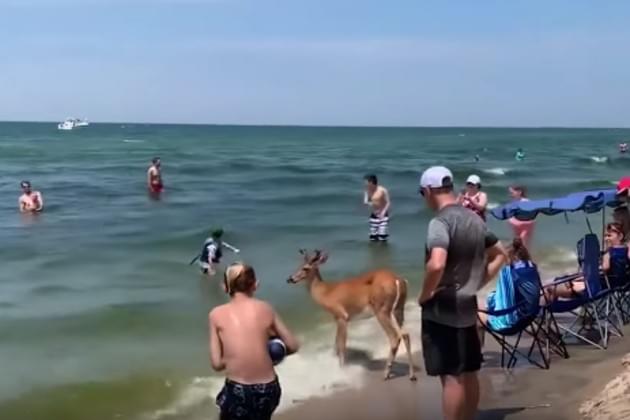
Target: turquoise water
100, 315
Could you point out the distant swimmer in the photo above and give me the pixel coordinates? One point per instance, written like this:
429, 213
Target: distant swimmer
377, 198
30, 201
154, 176
477, 158
520, 155
473, 198
212, 252
623, 147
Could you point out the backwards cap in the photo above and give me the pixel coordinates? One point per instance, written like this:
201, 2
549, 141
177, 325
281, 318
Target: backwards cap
436, 177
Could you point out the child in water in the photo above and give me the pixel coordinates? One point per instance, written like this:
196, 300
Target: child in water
212, 251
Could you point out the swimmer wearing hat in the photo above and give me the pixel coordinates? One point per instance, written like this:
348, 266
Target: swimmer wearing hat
212, 251
240, 333
30, 201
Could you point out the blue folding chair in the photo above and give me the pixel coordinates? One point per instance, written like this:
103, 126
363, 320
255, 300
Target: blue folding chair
515, 308
595, 306
618, 278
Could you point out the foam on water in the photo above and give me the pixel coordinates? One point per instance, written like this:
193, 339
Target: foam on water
599, 159
493, 205
496, 171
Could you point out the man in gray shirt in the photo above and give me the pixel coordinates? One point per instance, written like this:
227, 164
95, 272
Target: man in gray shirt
461, 256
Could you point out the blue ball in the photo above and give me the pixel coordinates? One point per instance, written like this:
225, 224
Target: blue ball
277, 350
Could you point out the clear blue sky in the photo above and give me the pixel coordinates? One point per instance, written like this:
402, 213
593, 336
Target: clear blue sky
340, 62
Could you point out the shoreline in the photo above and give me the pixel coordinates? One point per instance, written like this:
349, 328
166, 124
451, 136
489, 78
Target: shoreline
524, 393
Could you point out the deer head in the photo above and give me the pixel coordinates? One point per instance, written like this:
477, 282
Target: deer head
309, 268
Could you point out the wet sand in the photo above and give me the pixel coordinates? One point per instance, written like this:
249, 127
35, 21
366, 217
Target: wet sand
524, 393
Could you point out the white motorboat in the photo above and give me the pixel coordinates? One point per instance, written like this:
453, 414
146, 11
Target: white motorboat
72, 123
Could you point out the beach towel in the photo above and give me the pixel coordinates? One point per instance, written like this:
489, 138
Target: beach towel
502, 298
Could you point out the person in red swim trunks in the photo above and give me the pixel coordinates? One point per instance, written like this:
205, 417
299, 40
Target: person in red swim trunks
154, 176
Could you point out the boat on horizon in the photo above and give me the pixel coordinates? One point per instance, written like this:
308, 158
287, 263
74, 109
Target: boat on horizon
72, 123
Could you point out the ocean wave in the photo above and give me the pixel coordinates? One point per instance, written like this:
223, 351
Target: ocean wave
599, 159
133, 141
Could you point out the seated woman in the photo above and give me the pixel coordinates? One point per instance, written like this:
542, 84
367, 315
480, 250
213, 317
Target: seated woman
614, 261
520, 264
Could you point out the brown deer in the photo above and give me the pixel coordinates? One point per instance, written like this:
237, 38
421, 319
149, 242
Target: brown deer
381, 290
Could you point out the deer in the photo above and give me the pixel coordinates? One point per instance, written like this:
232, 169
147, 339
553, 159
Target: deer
381, 290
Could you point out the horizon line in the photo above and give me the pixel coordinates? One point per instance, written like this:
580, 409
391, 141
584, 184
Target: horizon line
272, 125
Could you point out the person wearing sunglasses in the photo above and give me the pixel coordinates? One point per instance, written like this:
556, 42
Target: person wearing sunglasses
473, 198
30, 201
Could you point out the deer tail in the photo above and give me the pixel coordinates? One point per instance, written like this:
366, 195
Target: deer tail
398, 309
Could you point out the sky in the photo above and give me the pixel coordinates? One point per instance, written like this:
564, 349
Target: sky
318, 62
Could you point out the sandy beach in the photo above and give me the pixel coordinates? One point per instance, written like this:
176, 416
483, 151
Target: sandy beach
524, 393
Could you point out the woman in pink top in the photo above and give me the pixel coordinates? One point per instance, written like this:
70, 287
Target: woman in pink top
522, 229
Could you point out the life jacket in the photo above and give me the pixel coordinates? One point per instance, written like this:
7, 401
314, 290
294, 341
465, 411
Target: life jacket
205, 253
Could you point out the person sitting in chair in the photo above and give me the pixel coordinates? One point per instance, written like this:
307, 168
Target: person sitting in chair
519, 260
617, 255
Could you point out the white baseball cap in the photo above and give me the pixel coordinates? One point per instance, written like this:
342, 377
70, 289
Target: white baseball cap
436, 177
474, 179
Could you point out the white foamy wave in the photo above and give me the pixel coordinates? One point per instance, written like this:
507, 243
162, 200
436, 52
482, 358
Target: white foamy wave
313, 371
599, 159
496, 171
493, 205
132, 141
557, 261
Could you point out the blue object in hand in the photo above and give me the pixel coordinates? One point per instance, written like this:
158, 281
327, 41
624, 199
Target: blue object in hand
277, 350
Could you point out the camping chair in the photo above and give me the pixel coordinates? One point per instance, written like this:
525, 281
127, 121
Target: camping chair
595, 306
514, 309
618, 278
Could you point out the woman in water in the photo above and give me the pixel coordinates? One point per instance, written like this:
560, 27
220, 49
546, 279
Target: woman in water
520, 155
473, 198
523, 229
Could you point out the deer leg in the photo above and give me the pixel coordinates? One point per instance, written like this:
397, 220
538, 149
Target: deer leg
394, 339
340, 342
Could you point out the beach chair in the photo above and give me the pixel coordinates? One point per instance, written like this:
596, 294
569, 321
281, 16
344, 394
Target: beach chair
595, 307
514, 309
618, 279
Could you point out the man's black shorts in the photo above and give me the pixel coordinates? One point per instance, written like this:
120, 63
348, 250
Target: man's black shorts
450, 350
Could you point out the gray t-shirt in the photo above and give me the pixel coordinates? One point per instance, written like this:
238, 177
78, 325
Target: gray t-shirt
465, 238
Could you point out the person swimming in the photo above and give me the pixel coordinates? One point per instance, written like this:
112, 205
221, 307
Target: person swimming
520, 155
212, 252
623, 147
477, 158
30, 201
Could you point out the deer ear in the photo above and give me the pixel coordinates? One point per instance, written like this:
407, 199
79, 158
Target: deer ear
322, 257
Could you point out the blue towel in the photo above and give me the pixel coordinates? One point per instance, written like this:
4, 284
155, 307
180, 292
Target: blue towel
503, 298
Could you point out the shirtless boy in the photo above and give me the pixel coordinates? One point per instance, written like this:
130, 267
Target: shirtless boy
154, 176
377, 198
30, 201
239, 333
